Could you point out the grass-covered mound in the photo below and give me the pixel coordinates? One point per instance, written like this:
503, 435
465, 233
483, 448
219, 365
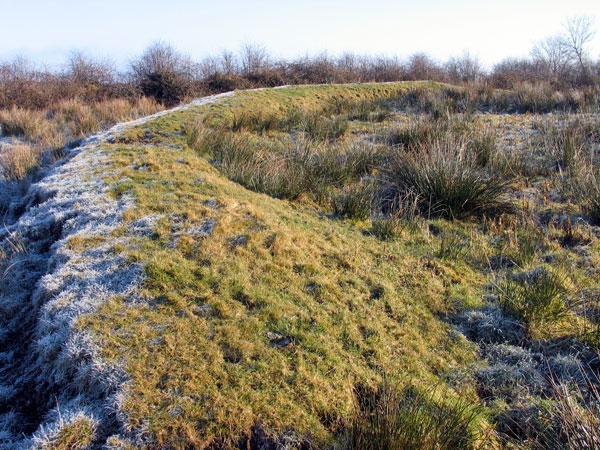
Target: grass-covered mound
260, 311
364, 266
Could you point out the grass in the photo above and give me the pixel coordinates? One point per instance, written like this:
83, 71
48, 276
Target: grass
280, 310
409, 419
354, 201
19, 122
76, 433
587, 191
446, 181
539, 297
17, 161
218, 301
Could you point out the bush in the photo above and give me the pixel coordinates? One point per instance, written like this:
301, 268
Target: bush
446, 180
407, 419
163, 74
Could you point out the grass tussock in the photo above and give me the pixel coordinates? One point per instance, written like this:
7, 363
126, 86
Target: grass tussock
587, 190
447, 181
17, 161
391, 418
23, 123
539, 297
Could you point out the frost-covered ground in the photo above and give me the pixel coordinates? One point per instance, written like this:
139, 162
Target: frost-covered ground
51, 374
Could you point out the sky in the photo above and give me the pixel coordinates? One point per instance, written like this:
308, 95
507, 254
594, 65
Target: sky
47, 31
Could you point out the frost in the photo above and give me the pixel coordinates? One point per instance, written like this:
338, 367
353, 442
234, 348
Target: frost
45, 360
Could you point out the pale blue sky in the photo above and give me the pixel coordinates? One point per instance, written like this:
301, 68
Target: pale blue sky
47, 30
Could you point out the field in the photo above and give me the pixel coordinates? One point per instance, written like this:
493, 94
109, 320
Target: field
365, 266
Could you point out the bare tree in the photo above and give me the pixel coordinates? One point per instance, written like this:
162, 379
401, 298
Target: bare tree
163, 73
84, 70
228, 62
421, 67
554, 56
253, 58
464, 68
161, 57
579, 31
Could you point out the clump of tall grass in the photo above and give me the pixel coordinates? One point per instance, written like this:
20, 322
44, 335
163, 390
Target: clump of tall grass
570, 419
565, 145
446, 179
354, 201
520, 241
391, 418
586, 186
258, 122
322, 128
538, 297
365, 110
284, 168
578, 414
415, 133
17, 161
482, 144
23, 123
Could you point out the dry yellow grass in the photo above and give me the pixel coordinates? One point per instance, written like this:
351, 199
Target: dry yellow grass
18, 160
26, 123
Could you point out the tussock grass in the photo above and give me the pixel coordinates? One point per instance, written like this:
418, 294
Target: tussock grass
77, 432
391, 418
25, 123
587, 191
578, 415
354, 201
538, 297
446, 180
17, 161
323, 128
285, 168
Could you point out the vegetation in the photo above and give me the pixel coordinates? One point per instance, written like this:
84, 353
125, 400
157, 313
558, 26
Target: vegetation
306, 240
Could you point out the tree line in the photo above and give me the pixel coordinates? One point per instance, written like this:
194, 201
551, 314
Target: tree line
562, 61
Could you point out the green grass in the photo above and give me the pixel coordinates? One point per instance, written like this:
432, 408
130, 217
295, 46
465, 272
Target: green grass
279, 314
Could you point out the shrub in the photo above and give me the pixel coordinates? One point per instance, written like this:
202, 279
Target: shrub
406, 419
446, 181
163, 74
164, 87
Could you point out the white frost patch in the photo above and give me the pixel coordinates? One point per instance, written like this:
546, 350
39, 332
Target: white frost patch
51, 286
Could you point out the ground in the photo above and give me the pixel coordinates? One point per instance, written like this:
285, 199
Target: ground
227, 306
